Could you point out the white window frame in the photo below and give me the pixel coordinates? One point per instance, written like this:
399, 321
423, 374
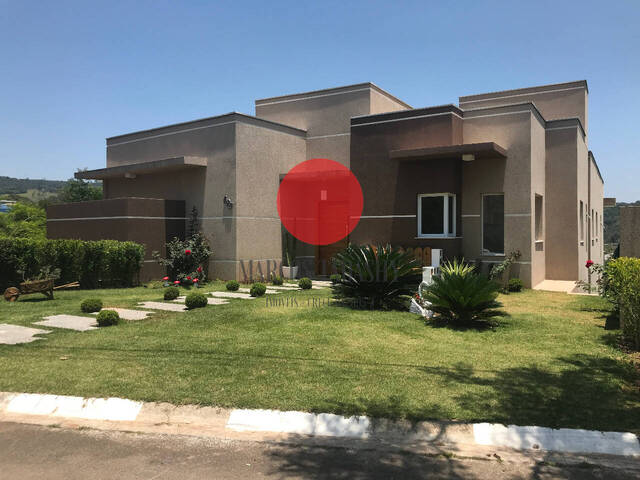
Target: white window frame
445, 213
482, 250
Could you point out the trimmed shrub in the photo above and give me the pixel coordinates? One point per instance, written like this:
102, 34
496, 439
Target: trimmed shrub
621, 285
515, 285
305, 283
335, 278
106, 318
233, 285
376, 277
102, 263
186, 258
91, 305
257, 290
171, 293
276, 279
463, 299
195, 300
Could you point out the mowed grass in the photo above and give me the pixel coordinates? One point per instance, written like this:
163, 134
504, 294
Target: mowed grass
550, 362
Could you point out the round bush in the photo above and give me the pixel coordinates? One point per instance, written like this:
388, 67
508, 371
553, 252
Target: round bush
305, 283
195, 300
257, 289
515, 285
233, 285
91, 305
276, 279
107, 318
171, 293
335, 278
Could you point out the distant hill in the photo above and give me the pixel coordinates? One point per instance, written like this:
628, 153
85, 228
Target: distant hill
9, 185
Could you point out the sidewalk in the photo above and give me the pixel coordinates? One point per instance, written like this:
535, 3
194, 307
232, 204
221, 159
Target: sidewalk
461, 439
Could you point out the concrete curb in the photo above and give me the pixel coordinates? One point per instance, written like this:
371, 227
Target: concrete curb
118, 413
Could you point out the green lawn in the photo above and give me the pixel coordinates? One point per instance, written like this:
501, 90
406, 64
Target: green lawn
551, 362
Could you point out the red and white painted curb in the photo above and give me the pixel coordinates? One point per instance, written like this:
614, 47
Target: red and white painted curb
322, 424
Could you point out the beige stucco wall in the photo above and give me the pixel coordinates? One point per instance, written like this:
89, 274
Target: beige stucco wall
262, 156
562, 204
555, 102
511, 129
538, 187
583, 195
597, 201
629, 231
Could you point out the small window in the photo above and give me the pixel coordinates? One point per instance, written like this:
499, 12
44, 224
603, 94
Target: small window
539, 218
437, 215
581, 222
493, 224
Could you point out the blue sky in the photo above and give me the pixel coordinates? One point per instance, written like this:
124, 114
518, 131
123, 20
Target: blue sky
73, 73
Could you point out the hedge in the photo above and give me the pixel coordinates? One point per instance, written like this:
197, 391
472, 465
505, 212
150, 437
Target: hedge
102, 263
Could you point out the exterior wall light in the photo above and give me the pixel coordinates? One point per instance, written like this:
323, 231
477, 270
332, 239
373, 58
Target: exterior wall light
468, 157
227, 201
129, 175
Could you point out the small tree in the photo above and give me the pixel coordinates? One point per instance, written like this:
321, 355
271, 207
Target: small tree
78, 190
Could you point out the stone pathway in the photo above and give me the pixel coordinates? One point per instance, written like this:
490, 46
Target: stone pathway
14, 334
72, 322
268, 292
210, 301
245, 296
127, 314
169, 307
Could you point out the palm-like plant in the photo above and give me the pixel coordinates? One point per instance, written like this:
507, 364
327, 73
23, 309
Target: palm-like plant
463, 297
375, 276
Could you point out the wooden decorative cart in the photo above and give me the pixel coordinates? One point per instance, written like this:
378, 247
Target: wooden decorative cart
45, 287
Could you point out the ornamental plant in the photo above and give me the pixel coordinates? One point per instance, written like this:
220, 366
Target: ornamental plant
195, 300
186, 259
91, 305
106, 318
171, 293
380, 276
233, 285
258, 290
305, 283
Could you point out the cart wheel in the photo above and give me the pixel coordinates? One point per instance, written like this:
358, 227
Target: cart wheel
11, 294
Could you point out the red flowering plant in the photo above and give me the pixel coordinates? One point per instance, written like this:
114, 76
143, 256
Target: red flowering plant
186, 259
589, 263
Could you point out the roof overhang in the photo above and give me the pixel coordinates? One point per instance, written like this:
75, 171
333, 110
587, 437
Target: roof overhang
145, 168
465, 151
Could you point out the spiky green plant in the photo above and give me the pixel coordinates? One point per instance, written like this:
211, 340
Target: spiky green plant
376, 277
463, 299
456, 267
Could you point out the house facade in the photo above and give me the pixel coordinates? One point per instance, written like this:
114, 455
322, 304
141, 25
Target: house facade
498, 173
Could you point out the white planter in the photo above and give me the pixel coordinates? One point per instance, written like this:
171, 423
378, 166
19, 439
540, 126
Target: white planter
290, 272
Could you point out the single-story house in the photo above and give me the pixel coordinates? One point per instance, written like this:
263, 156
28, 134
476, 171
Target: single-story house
497, 173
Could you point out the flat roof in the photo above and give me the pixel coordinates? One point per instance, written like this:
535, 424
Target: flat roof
155, 166
480, 150
524, 91
329, 91
405, 114
211, 121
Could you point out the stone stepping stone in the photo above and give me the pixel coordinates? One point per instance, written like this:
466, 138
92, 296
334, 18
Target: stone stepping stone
244, 296
268, 292
14, 334
127, 314
72, 322
210, 301
284, 287
169, 307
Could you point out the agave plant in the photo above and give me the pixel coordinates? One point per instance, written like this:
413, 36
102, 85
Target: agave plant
456, 267
463, 297
375, 276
